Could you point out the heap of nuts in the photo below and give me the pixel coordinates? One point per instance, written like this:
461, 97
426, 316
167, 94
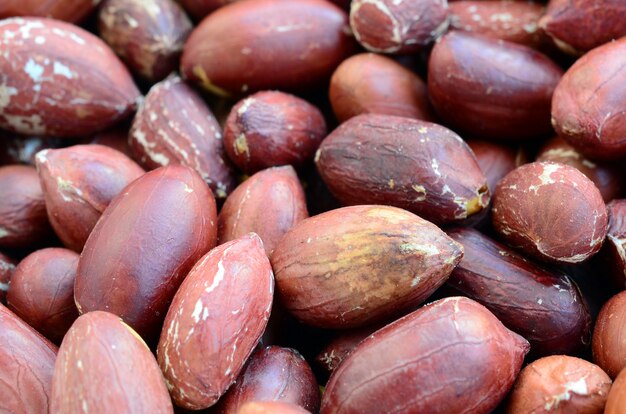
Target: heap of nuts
303, 206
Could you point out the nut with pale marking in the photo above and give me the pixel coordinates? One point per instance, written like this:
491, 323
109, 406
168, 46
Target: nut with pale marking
550, 211
60, 80
416, 165
358, 265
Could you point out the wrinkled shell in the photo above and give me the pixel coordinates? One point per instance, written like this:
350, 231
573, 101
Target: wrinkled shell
560, 385
42, 291
267, 44
371, 83
516, 22
543, 306
73, 11
175, 126
60, 80
7, 268
491, 88
78, 183
577, 26
616, 403
550, 211
216, 318
104, 367
148, 35
496, 160
272, 128
608, 344
26, 366
589, 104
613, 252
391, 26
273, 374
143, 246
269, 204
608, 179
23, 218
356, 265
451, 356
421, 167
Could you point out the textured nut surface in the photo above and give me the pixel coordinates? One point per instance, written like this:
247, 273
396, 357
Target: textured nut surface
60, 80
26, 366
496, 160
272, 128
577, 26
416, 165
371, 83
491, 88
516, 22
466, 363
550, 211
73, 11
78, 183
175, 126
609, 336
103, 366
7, 267
217, 317
616, 402
589, 104
607, 178
390, 26
143, 246
148, 36
42, 291
23, 218
356, 265
269, 203
543, 306
560, 384
270, 44
613, 252
273, 374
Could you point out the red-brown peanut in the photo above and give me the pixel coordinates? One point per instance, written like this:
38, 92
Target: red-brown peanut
609, 343
616, 402
73, 11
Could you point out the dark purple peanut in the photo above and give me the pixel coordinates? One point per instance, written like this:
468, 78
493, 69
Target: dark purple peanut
273, 374
269, 204
216, 319
42, 291
613, 253
23, 219
371, 83
78, 183
607, 178
577, 26
357, 265
491, 88
272, 44
147, 36
390, 26
516, 22
416, 165
103, 366
450, 356
550, 211
608, 344
559, 384
589, 104
26, 366
143, 246
272, 128
175, 126
544, 307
